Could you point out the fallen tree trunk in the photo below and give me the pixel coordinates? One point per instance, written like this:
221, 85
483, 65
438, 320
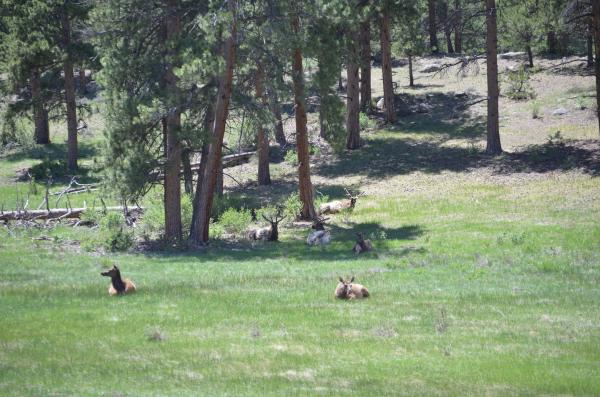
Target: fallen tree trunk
57, 213
229, 161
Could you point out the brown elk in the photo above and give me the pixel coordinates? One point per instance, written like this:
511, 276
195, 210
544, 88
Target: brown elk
334, 207
319, 236
118, 286
270, 233
350, 290
361, 244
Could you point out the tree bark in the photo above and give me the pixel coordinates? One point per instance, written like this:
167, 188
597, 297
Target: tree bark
40, 114
276, 109
590, 50
493, 128
458, 27
551, 42
201, 221
433, 41
386, 68
445, 6
596, 22
69, 94
529, 55
410, 71
305, 185
172, 182
264, 176
352, 94
82, 80
365, 66
188, 176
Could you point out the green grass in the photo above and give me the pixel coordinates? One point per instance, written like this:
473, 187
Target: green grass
483, 280
514, 269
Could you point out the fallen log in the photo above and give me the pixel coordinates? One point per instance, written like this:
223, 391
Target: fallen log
57, 213
231, 160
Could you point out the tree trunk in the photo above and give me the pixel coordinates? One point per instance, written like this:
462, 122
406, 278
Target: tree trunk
493, 127
458, 27
82, 80
172, 182
352, 94
433, 42
596, 22
188, 176
410, 71
445, 6
551, 42
276, 109
219, 182
201, 221
69, 94
386, 69
40, 114
590, 49
264, 176
529, 55
365, 66
305, 185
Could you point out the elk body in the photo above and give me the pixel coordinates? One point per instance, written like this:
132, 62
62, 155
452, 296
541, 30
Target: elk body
350, 290
118, 286
361, 244
319, 236
269, 233
333, 207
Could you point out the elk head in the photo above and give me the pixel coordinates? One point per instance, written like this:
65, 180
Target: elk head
319, 223
353, 197
274, 221
114, 272
344, 287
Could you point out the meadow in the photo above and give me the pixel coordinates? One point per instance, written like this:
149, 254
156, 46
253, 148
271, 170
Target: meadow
483, 279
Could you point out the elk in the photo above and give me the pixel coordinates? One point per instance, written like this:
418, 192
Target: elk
118, 286
320, 236
333, 207
270, 233
349, 290
361, 244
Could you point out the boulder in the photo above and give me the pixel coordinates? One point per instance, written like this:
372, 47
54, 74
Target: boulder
430, 68
511, 55
560, 112
380, 103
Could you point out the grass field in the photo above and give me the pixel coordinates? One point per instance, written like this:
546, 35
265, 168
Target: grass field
484, 281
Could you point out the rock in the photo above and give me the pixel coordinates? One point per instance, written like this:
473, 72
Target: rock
560, 112
511, 55
380, 103
430, 68
422, 108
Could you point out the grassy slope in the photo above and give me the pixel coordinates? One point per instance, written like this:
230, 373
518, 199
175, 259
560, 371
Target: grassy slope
482, 283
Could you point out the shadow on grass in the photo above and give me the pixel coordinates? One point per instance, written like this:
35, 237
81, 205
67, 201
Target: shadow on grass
388, 156
293, 246
56, 154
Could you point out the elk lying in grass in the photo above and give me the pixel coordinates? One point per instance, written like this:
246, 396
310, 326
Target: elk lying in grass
333, 207
320, 236
350, 290
361, 244
118, 286
269, 233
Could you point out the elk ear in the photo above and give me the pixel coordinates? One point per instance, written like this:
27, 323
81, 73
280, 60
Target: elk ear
341, 280
352, 279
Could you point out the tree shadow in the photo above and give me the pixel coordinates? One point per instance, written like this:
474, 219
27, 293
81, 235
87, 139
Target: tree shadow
382, 157
293, 246
55, 151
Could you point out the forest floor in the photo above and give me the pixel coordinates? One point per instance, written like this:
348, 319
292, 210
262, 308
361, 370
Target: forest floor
483, 276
